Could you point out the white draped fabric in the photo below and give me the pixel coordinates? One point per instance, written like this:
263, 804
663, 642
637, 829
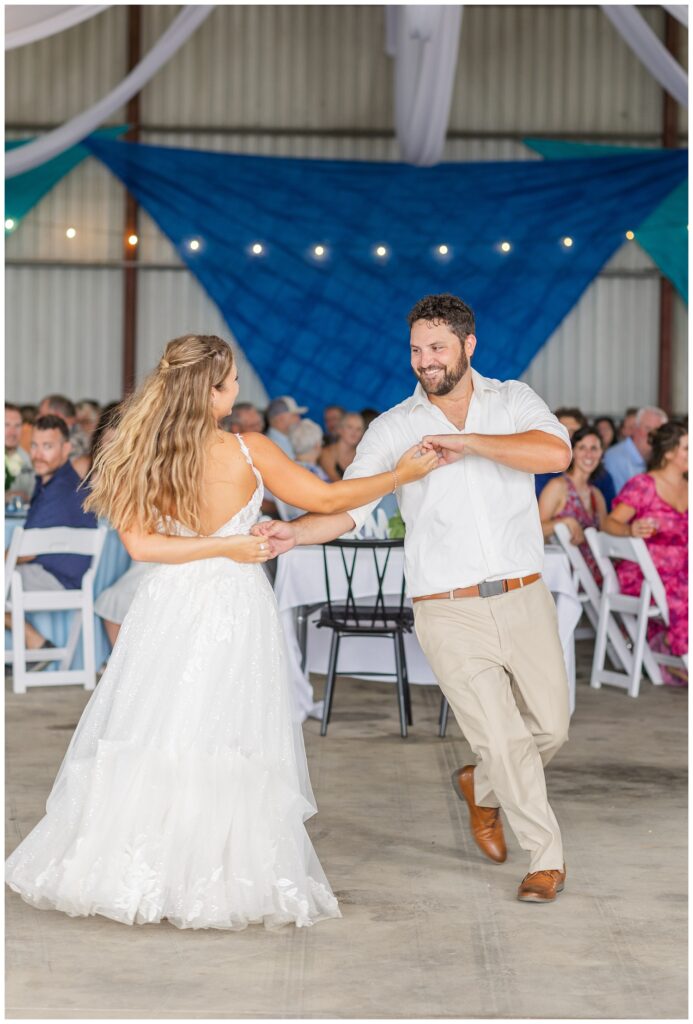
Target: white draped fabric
649, 49
24, 158
424, 40
678, 11
27, 23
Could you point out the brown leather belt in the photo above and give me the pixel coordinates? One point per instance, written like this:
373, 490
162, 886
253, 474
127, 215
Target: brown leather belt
489, 588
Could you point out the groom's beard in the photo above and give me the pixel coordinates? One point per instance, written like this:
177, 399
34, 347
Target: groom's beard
443, 385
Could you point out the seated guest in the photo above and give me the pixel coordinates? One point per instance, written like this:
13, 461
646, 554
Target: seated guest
607, 430
654, 506
628, 423
629, 458
336, 457
332, 416
572, 498
59, 405
104, 431
19, 473
572, 419
88, 412
282, 414
244, 419
306, 438
29, 414
368, 415
57, 501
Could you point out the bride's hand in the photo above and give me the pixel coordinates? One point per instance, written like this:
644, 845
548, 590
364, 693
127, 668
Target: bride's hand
416, 463
248, 549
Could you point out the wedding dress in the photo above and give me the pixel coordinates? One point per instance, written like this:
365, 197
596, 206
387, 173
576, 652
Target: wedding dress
184, 790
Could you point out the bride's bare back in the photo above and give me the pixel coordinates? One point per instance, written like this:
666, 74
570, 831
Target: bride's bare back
228, 484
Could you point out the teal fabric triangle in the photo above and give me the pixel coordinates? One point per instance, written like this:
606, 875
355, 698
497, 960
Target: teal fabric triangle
24, 191
664, 234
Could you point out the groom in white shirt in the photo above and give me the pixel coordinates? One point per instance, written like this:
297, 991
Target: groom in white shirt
473, 560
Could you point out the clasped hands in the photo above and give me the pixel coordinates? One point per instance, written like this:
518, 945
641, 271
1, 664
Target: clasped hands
281, 536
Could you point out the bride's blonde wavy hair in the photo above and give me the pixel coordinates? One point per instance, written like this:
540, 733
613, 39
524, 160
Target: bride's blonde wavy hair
152, 470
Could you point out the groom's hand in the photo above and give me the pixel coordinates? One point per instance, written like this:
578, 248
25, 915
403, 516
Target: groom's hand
280, 535
449, 447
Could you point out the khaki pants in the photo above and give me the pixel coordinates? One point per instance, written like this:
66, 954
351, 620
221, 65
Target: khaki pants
500, 664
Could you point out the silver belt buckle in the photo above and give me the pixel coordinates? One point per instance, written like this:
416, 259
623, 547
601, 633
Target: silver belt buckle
491, 588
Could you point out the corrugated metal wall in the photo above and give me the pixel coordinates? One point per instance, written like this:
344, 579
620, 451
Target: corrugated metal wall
261, 79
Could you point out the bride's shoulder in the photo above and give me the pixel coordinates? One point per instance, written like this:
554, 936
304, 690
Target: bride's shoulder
263, 449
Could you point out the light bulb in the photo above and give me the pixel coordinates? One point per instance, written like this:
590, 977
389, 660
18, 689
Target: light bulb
506, 246
443, 250
630, 236
567, 241
381, 251
9, 224
257, 248
194, 245
70, 233
319, 250
133, 239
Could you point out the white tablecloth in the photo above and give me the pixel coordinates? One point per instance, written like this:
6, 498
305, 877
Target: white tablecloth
301, 581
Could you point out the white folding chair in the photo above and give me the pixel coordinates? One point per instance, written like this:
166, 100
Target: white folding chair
63, 540
591, 598
635, 613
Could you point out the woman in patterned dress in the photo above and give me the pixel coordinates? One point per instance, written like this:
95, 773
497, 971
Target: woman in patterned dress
654, 506
572, 498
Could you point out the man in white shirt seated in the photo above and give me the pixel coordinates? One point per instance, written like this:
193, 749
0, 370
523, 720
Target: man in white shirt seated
473, 559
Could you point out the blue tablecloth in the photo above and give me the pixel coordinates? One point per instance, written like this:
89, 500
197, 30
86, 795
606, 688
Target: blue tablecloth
55, 626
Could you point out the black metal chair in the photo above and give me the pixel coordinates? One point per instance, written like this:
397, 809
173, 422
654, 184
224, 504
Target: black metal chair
352, 617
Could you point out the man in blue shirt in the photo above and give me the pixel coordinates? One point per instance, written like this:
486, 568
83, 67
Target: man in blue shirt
56, 502
282, 414
628, 458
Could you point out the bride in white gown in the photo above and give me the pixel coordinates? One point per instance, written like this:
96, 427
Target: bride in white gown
184, 791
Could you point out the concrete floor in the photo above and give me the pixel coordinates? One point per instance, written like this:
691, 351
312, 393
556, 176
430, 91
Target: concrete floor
430, 929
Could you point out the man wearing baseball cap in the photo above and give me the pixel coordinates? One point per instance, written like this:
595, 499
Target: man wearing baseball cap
282, 414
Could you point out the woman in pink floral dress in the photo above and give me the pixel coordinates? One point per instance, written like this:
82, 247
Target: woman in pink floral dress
572, 498
654, 506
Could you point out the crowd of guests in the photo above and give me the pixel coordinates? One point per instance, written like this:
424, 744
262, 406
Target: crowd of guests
630, 483
629, 479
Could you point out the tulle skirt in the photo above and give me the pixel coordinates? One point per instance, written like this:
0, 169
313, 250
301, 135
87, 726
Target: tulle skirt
184, 791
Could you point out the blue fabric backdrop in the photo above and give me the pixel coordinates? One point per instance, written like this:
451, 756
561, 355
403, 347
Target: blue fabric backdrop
25, 190
664, 234
334, 329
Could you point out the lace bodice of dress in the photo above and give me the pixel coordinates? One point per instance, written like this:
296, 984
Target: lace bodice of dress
245, 518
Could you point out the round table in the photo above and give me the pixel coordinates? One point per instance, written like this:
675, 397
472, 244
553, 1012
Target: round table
300, 582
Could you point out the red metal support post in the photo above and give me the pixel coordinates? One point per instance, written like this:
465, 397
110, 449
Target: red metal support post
134, 34
666, 290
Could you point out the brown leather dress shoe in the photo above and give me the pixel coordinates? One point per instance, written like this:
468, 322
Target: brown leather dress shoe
485, 822
541, 886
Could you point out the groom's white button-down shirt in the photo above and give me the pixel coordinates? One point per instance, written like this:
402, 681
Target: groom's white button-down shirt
473, 520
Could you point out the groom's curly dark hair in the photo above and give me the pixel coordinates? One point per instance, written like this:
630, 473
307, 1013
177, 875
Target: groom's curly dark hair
446, 309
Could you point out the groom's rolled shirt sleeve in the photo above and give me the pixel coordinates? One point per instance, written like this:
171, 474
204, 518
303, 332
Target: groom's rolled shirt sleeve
530, 412
373, 455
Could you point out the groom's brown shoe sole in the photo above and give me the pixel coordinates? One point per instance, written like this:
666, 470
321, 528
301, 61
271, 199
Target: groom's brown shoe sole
485, 822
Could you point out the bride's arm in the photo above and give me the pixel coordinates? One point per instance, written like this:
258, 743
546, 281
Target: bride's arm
158, 547
301, 488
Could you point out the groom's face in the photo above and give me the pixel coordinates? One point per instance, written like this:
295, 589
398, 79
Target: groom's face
438, 357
